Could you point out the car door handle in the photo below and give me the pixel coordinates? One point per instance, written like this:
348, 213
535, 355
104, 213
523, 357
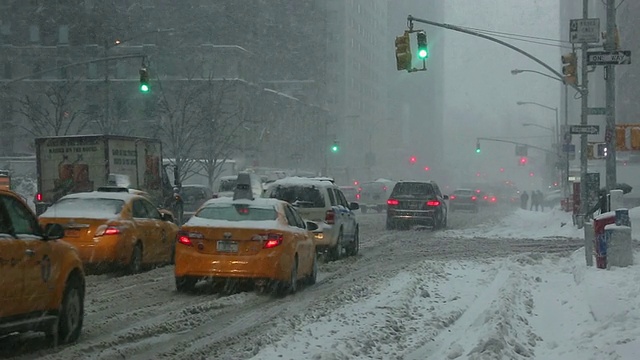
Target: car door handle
30, 252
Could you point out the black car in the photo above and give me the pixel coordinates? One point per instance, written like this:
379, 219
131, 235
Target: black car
417, 203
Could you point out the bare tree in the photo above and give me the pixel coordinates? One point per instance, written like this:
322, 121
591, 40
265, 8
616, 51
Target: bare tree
224, 112
179, 120
55, 112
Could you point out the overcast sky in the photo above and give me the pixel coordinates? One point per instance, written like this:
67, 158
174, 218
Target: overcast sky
481, 93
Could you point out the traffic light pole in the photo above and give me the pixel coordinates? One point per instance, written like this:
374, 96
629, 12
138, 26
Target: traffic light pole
610, 78
515, 143
411, 19
584, 121
131, 56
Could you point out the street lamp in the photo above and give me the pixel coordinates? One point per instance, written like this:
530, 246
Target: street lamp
565, 178
555, 133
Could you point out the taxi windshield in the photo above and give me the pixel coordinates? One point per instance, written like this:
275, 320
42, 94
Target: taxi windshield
234, 212
85, 208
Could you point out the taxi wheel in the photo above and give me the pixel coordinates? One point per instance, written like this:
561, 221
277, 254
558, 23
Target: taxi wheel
135, 264
291, 286
336, 251
71, 312
354, 247
185, 283
314, 270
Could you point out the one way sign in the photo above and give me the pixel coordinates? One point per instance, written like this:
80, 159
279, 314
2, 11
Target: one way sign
622, 57
584, 129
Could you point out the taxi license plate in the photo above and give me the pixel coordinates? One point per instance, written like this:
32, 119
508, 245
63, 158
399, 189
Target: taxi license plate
227, 246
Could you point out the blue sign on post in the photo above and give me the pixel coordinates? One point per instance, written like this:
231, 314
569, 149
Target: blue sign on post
569, 148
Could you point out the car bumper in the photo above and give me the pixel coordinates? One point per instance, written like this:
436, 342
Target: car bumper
422, 217
270, 265
101, 251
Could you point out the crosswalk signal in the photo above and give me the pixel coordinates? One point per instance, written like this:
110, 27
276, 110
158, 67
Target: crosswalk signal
423, 50
570, 68
403, 52
144, 80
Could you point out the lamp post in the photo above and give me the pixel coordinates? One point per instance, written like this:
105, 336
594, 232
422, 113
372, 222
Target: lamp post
555, 133
565, 177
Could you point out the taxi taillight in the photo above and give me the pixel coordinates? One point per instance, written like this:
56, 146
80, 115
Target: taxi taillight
39, 197
104, 230
185, 238
330, 217
273, 240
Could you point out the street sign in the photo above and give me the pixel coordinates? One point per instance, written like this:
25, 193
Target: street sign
584, 31
620, 57
597, 111
584, 129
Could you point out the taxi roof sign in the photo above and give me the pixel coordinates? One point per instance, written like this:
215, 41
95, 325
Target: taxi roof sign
243, 187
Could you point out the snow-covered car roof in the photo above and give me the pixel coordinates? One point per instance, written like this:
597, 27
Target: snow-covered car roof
300, 181
256, 202
228, 177
125, 196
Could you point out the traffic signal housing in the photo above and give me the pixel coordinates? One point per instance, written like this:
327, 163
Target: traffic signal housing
523, 161
478, 147
144, 80
423, 50
335, 147
570, 68
403, 52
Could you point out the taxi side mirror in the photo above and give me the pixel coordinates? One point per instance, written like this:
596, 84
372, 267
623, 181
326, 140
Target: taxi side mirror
311, 226
53, 232
166, 217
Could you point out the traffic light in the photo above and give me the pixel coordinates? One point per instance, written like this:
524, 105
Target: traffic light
413, 159
570, 68
144, 80
335, 147
403, 52
423, 50
426, 168
523, 161
477, 147
531, 174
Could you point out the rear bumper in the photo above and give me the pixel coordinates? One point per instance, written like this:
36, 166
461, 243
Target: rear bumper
106, 250
422, 217
270, 265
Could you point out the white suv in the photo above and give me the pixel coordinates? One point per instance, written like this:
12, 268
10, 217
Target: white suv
320, 200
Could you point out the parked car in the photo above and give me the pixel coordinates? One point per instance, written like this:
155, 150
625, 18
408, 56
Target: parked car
322, 201
417, 203
246, 238
114, 229
42, 283
463, 199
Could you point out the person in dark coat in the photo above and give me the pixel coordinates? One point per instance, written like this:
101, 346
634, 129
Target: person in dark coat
602, 204
524, 199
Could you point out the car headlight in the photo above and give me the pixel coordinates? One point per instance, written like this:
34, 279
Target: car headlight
318, 236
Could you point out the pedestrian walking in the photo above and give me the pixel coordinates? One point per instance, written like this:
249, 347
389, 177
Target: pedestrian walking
524, 199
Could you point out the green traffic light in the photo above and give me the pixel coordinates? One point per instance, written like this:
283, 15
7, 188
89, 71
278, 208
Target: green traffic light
422, 53
144, 88
478, 150
334, 148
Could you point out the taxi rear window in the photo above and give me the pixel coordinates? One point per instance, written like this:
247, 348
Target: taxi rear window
85, 208
234, 212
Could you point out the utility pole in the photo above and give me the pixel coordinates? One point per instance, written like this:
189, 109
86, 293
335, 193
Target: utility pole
565, 177
610, 78
584, 121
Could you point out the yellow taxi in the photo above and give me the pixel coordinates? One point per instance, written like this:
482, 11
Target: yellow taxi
245, 238
41, 277
114, 229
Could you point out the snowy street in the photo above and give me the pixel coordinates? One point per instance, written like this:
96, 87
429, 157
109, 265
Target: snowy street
409, 295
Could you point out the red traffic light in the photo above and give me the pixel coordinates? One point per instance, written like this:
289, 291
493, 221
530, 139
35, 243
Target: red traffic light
426, 168
501, 169
523, 160
413, 159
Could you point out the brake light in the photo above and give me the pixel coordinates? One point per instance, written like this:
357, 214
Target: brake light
485, 197
393, 202
452, 197
185, 238
104, 230
433, 203
474, 198
357, 196
330, 217
493, 199
39, 197
273, 240
384, 188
